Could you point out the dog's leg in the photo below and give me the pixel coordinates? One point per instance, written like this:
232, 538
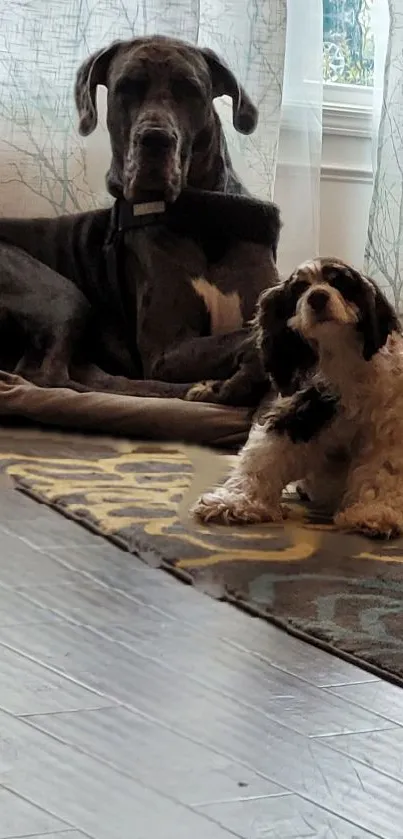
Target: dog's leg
279, 451
246, 387
252, 493
210, 357
226, 369
92, 378
373, 502
53, 329
45, 369
53, 371
50, 370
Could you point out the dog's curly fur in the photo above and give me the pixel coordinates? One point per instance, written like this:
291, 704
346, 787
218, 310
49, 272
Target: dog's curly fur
337, 424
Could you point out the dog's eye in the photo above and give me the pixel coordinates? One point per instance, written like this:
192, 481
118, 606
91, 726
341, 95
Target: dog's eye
183, 88
345, 284
298, 287
135, 88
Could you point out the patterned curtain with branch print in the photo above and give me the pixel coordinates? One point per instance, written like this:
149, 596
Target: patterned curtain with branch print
384, 251
44, 166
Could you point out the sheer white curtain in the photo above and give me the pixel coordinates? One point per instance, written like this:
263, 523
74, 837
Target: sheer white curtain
44, 165
384, 252
275, 49
300, 149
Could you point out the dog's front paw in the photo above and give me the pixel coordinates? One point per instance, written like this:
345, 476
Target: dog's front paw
378, 521
234, 508
204, 391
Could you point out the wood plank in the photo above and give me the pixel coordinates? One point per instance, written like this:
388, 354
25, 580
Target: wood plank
26, 687
20, 818
93, 797
284, 818
242, 733
196, 776
380, 697
207, 661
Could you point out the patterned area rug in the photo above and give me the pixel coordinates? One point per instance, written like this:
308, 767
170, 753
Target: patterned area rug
344, 593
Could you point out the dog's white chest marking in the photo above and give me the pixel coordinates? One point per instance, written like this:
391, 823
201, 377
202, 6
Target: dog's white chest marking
224, 309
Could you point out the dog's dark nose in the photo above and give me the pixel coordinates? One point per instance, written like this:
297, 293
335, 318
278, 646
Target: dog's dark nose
157, 140
318, 300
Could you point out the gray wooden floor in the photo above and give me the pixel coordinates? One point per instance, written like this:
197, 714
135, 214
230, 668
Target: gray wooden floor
132, 707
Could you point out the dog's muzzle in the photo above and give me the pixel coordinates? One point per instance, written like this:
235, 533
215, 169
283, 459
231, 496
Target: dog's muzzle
318, 301
157, 142
323, 305
153, 164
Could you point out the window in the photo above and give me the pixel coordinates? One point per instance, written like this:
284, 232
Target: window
348, 43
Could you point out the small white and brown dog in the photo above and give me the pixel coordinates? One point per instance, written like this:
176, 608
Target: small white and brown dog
333, 346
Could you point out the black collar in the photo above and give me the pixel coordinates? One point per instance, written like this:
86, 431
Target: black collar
125, 217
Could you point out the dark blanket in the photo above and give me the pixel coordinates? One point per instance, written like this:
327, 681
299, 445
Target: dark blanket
122, 416
90, 250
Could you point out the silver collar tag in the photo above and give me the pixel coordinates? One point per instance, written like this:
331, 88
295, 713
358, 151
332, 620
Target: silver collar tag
148, 208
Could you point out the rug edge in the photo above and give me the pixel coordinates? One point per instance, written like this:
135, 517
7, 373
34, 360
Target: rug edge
242, 605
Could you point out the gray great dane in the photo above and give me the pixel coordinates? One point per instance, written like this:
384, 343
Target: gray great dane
183, 296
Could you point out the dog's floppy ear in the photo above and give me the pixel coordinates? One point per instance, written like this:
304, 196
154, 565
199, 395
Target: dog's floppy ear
244, 113
285, 354
378, 319
93, 71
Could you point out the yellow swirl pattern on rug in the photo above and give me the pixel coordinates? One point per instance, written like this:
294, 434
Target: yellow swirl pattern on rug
140, 491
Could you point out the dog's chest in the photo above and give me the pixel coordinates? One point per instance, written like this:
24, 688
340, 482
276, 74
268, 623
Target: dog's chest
224, 309
339, 437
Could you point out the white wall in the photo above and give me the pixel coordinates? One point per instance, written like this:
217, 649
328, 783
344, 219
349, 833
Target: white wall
345, 189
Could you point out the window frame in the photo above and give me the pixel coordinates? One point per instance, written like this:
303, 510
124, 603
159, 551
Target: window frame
347, 109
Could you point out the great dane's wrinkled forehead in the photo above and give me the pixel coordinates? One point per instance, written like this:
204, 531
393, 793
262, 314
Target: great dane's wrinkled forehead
161, 61
163, 128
